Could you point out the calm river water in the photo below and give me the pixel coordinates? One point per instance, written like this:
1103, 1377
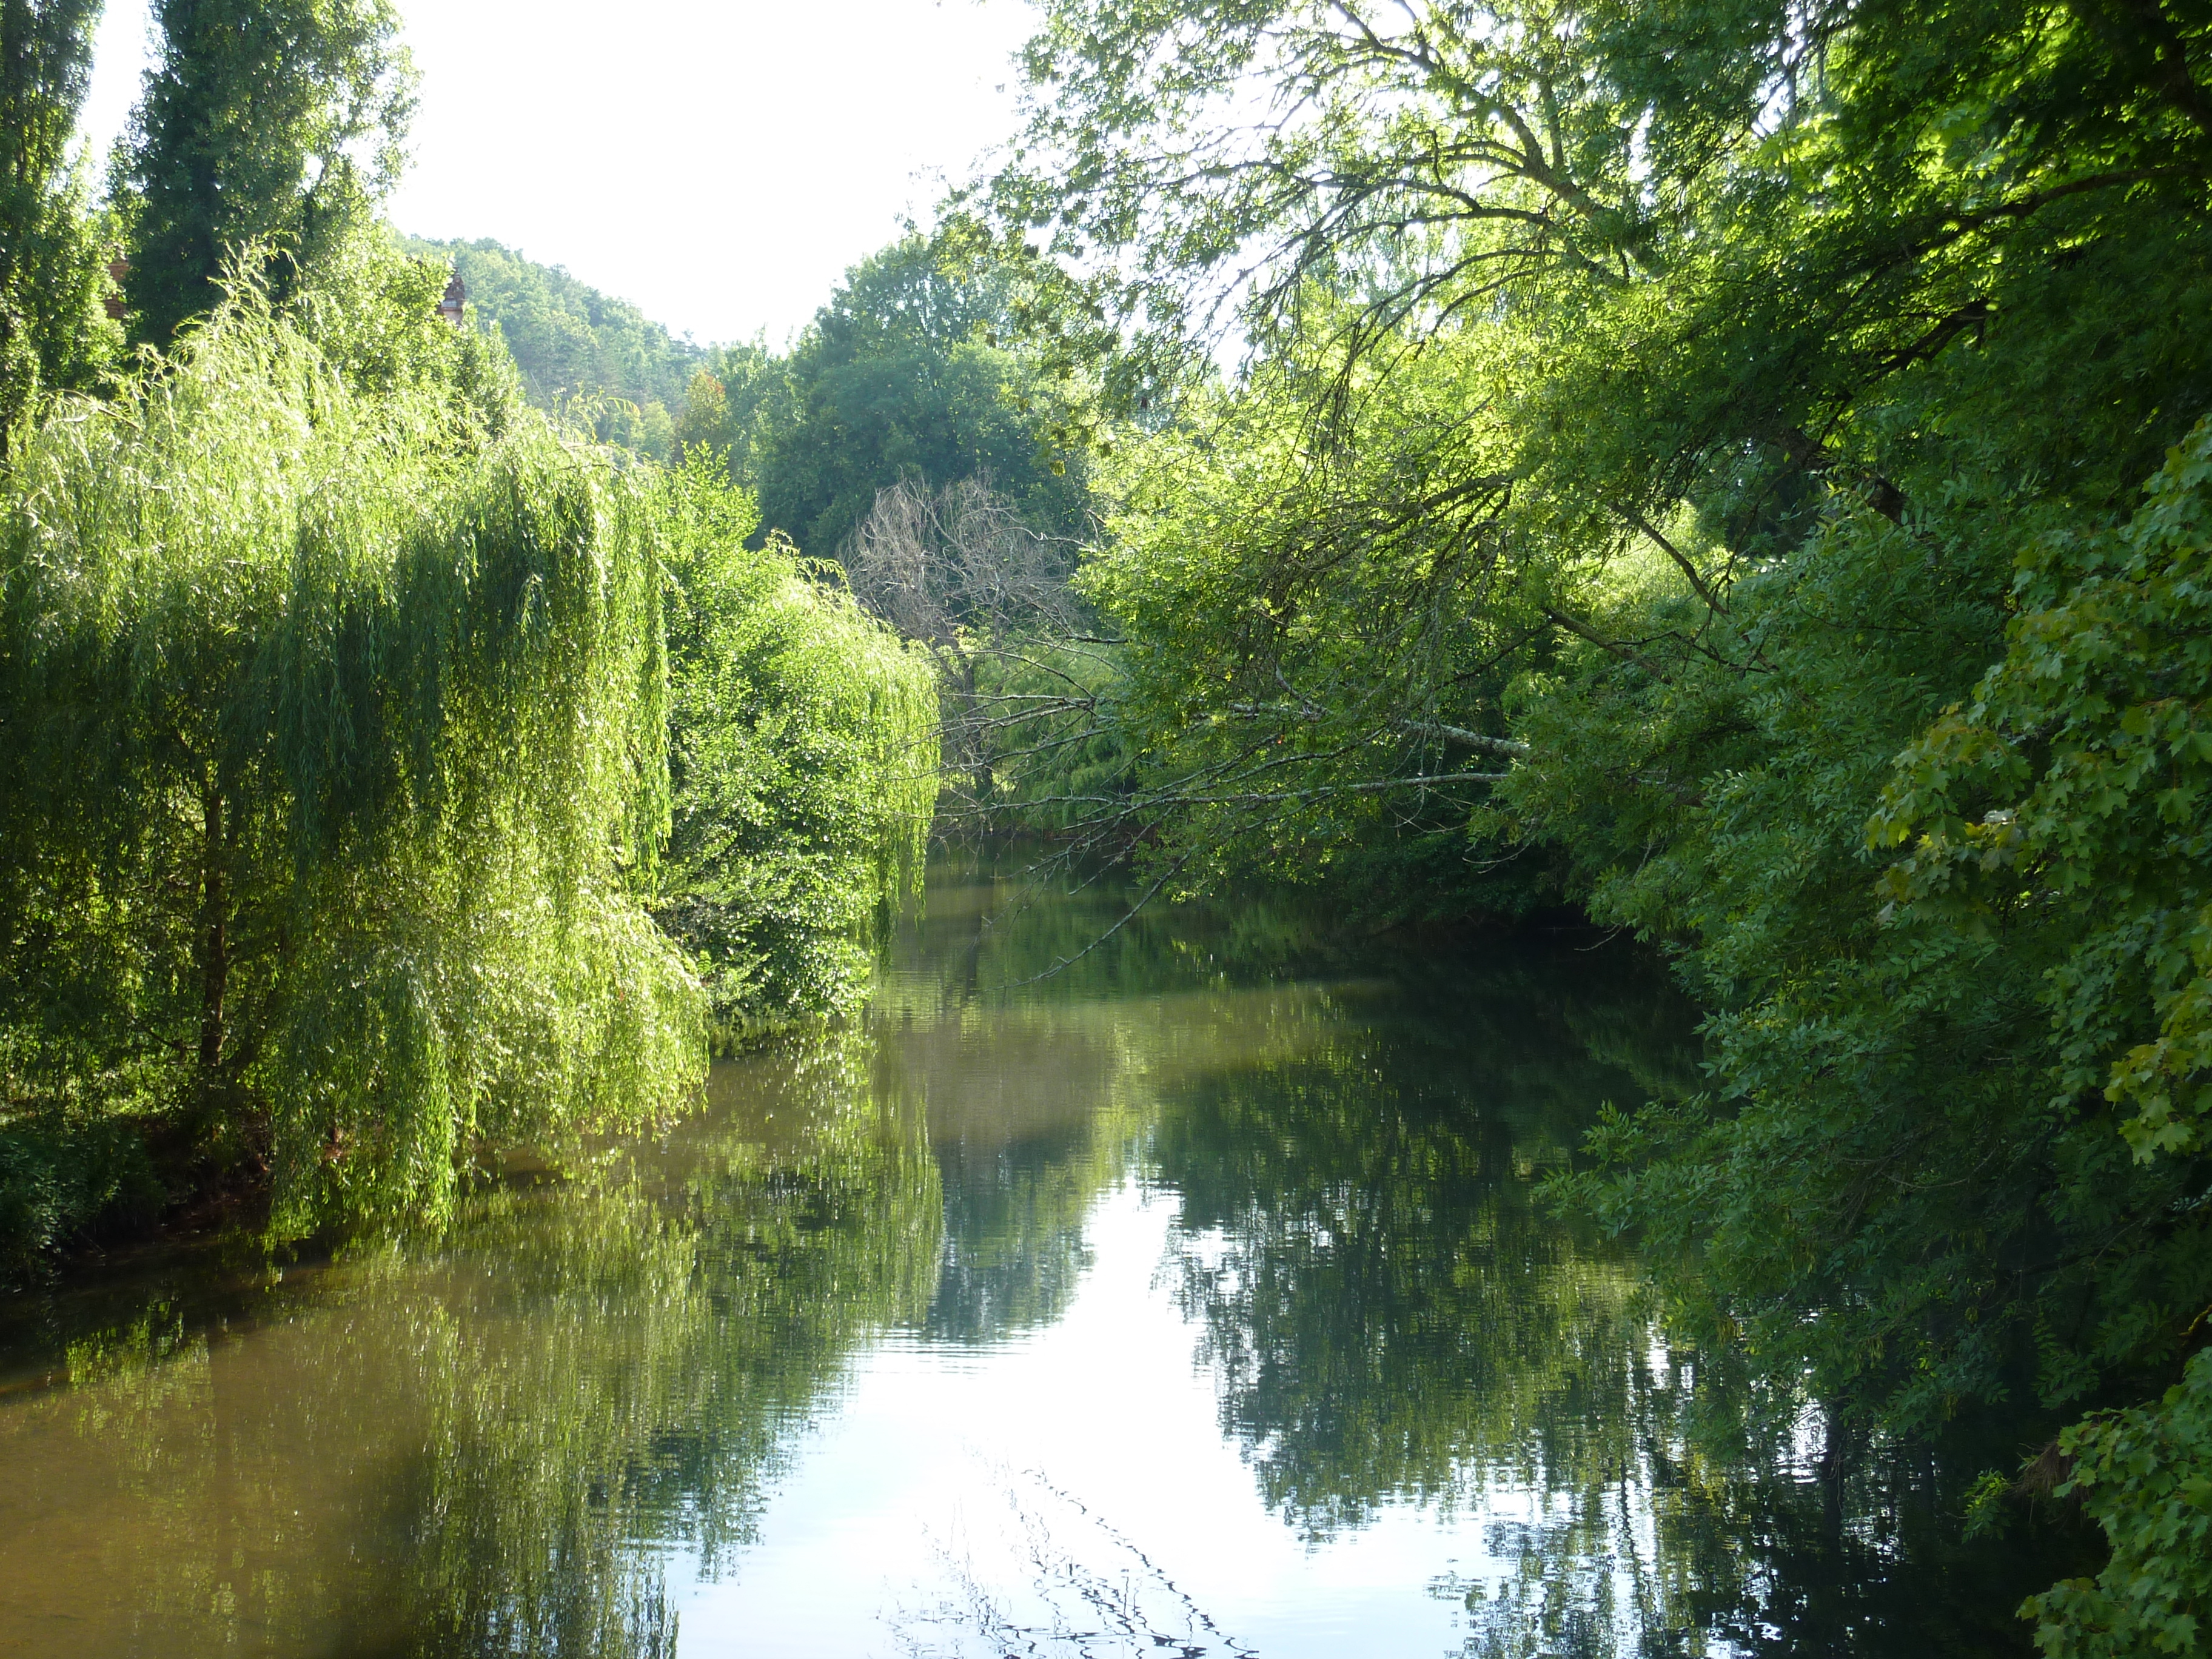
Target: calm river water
1193, 1300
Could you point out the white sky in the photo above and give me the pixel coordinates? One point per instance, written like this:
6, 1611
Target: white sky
720, 164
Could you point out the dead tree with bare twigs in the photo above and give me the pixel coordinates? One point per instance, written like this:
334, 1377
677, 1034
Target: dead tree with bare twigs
958, 571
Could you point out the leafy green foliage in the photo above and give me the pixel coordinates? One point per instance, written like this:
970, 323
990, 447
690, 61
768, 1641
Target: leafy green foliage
334, 735
803, 758
64, 1167
2146, 1476
272, 126
1887, 1151
1312, 636
1045, 773
370, 309
2087, 753
736, 406
899, 375
54, 331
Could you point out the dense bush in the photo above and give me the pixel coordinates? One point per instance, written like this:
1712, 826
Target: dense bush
803, 752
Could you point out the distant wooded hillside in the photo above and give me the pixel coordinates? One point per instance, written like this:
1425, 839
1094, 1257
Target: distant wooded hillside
572, 341
897, 377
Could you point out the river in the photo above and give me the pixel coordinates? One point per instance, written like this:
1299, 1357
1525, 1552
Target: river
1195, 1299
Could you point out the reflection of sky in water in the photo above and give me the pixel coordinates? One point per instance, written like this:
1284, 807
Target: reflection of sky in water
943, 1459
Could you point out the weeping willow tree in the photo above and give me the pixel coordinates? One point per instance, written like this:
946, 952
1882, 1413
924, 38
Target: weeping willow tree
332, 781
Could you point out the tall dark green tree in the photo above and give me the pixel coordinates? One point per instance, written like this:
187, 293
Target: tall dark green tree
52, 328
273, 123
901, 376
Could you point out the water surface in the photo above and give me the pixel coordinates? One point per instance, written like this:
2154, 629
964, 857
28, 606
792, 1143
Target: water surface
1193, 1301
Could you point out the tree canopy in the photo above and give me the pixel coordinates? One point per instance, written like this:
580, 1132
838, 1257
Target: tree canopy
277, 126
901, 374
335, 762
1736, 467
54, 331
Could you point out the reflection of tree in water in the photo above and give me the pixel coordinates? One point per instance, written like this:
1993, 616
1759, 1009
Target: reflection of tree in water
457, 1449
1014, 1247
1028, 1128
1023, 932
1392, 1318
665, 1352
1038, 1094
1753, 1558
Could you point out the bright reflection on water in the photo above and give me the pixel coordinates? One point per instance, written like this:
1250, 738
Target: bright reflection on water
1193, 1300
